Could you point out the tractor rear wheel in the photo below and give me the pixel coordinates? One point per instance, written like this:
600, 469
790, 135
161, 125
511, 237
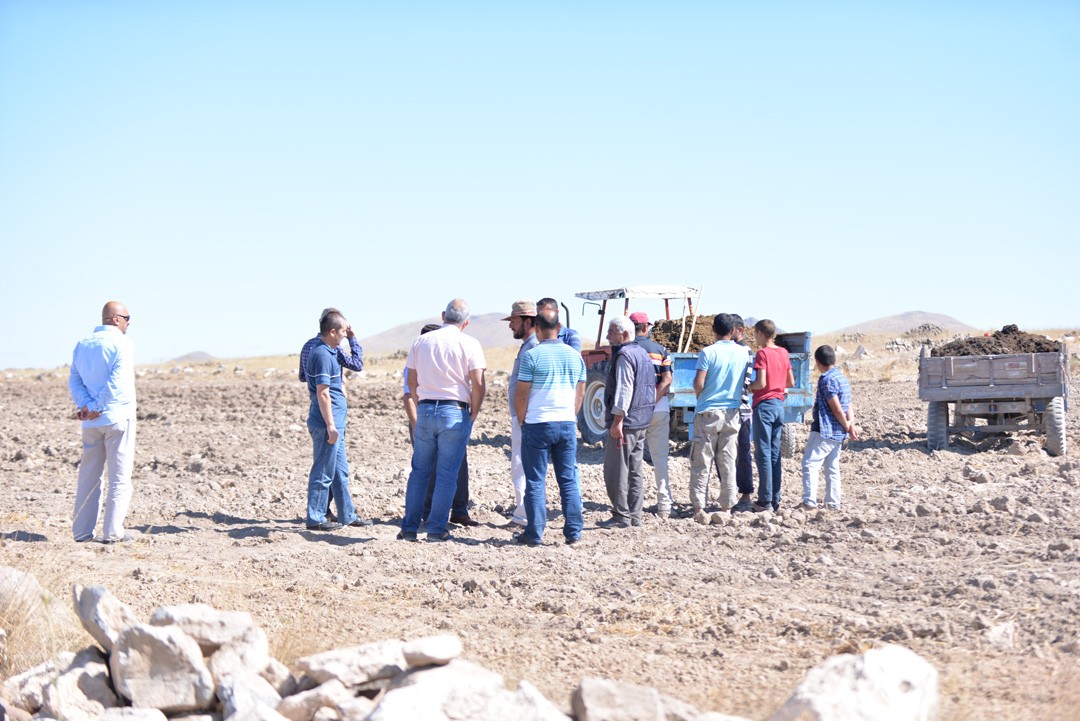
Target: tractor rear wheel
591, 423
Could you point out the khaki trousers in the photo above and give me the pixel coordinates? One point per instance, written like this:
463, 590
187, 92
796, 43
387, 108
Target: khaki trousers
716, 436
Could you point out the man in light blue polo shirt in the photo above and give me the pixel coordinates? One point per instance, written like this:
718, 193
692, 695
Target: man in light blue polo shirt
718, 383
550, 388
102, 384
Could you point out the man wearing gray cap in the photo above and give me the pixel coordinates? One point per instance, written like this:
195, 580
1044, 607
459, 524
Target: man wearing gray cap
522, 321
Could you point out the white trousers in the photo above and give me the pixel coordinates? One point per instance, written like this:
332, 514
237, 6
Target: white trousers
517, 472
716, 435
821, 451
112, 446
656, 438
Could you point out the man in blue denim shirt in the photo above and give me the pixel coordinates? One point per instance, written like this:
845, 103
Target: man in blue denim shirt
353, 360
329, 475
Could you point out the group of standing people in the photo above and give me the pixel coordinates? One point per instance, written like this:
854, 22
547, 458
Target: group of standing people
444, 389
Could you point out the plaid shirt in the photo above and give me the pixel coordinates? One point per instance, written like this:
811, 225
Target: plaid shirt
353, 361
831, 384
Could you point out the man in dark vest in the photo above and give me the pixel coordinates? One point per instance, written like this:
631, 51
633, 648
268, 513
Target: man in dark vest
629, 396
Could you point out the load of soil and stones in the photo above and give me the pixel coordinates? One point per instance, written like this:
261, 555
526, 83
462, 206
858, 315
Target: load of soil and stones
1009, 339
668, 332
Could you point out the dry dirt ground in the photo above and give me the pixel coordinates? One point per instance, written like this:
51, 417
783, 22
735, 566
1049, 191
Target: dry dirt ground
969, 557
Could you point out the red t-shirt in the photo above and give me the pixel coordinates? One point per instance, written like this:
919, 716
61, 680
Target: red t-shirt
776, 363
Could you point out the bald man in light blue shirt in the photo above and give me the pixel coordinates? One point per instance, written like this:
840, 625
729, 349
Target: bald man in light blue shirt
102, 384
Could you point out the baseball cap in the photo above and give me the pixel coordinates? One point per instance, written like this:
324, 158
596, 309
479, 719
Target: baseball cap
522, 307
639, 318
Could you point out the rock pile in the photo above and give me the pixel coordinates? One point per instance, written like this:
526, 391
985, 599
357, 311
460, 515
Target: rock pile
196, 663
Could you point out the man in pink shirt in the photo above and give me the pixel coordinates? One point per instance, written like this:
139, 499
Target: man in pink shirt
446, 377
772, 367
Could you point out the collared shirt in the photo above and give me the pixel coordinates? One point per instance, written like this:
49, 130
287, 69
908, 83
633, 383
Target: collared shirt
661, 360
570, 337
323, 369
554, 369
354, 360
527, 345
443, 360
724, 363
102, 376
831, 384
777, 363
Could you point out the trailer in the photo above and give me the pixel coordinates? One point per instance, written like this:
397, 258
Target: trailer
972, 396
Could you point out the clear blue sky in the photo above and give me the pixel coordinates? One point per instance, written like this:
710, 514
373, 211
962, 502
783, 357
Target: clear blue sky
227, 169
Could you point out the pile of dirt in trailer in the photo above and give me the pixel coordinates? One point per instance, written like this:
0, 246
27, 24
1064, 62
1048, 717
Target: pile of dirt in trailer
1009, 339
668, 332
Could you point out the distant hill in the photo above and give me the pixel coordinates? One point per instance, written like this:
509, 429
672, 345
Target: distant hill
903, 322
490, 329
197, 356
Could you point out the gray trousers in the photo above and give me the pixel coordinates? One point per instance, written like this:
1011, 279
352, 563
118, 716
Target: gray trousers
112, 449
624, 475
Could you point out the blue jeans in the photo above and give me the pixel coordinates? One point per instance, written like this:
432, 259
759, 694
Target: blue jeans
768, 429
329, 476
439, 442
557, 442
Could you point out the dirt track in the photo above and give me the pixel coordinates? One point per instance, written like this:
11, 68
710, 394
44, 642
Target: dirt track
939, 552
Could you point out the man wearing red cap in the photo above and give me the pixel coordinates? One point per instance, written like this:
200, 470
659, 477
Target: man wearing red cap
656, 437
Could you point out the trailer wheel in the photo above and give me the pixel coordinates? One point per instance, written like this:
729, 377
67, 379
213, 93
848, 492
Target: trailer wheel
937, 425
788, 442
591, 423
1054, 424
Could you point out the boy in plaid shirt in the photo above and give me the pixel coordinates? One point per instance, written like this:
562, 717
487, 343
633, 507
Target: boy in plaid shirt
834, 421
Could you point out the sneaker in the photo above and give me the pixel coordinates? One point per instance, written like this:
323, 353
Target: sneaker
359, 522
758, 508
522, 539
572, 540
126, 538
439, 537
612, 523
743, 507
407, 536
324, 526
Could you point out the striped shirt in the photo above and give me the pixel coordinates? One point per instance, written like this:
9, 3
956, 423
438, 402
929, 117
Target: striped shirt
554, 369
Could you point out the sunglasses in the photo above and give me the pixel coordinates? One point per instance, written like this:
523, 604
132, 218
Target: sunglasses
125, 317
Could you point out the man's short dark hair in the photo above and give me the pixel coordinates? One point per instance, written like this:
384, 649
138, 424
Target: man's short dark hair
737, 320
723, 324
825, 355
331, 321
547, 320
766, 327
429, 327
543, 302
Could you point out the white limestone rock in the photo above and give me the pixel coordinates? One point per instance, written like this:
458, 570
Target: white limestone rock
432, 650
102, 614
884, 684
598, 699
355, 709
82, 692
280, 677
241, 693
302, 706
161, 668
210, 628
258, 712
355, 665
27, 689
129, 713
248, 654
461, 690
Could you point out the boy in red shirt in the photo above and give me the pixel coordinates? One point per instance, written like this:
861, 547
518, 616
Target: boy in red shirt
772, 367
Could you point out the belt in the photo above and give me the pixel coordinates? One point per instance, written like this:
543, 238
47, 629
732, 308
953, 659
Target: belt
459, 404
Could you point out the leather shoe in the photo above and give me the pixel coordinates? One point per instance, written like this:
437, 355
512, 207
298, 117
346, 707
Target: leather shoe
612, 523
324, 526
437, 537
464, 520
407, 536
524, 540
572, 540
361, 522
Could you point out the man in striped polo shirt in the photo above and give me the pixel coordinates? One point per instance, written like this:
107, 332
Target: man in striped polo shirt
550, 388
